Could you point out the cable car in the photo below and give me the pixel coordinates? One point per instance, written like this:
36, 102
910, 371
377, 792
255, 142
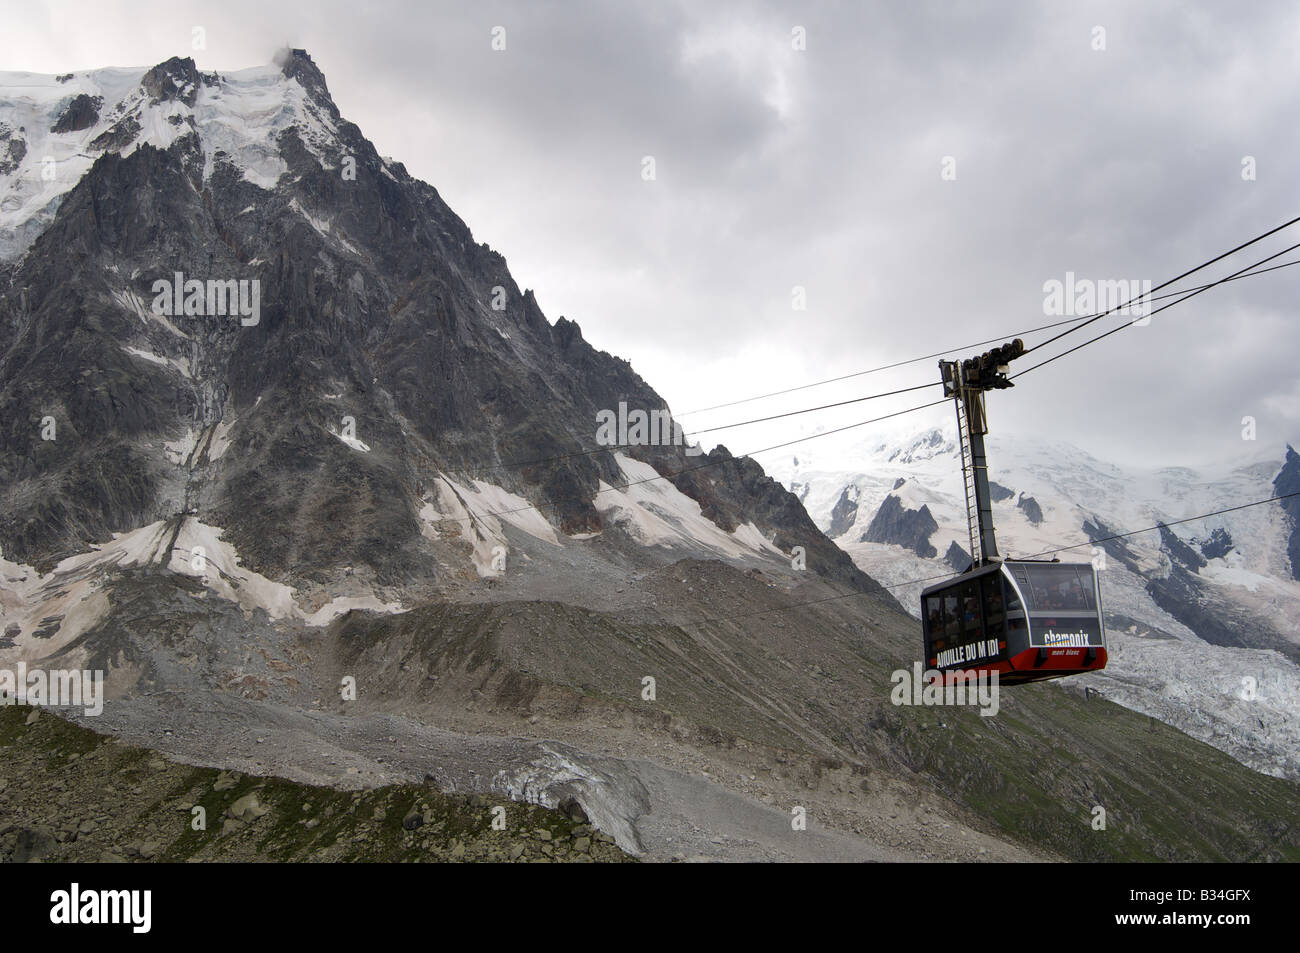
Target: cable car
1025, 620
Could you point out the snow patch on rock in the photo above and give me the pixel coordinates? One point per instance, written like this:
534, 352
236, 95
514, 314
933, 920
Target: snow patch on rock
655, 513
220, 441
40, 614
475, 513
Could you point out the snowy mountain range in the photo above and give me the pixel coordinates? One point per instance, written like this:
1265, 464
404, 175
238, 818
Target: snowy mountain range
1203, 617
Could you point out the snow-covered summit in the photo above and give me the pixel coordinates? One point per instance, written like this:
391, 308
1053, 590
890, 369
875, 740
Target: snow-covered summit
53, 128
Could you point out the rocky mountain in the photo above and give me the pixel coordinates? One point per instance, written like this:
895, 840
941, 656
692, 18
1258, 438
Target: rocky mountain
388, 389
291, 457
1287, 481
911, 529
1192, 609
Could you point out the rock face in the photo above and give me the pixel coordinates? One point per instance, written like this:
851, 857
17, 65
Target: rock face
957, 557
1288, 481
845, 513
176, 80
1033, 512
1178, 593
13, 148
903, 527
1219, 544
1098, 532
376, 347
82, 113
732, 490
1179, 551
998, 492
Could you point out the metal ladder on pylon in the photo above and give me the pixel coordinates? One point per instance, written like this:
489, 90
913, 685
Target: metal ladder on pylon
968, 479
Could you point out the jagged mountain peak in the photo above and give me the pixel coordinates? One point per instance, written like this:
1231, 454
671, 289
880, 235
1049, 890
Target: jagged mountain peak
53, 129
935, 442
1286, 482
297, 64
175, 79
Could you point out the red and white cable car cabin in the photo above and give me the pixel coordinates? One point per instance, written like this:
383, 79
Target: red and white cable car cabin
1025, 620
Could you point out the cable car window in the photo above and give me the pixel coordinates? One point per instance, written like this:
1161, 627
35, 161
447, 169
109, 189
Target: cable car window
1088, 586
994, 613
1013, 599
1060, 588
951, 615
934, 615
971, 615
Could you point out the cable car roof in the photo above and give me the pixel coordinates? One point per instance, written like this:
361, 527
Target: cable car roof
1001, 566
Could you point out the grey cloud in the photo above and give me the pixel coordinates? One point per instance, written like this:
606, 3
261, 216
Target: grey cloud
821, 168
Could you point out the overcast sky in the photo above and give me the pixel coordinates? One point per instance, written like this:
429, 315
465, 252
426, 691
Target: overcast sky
823, 168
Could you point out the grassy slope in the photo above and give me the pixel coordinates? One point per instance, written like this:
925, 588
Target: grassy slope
817, 681
58, 775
